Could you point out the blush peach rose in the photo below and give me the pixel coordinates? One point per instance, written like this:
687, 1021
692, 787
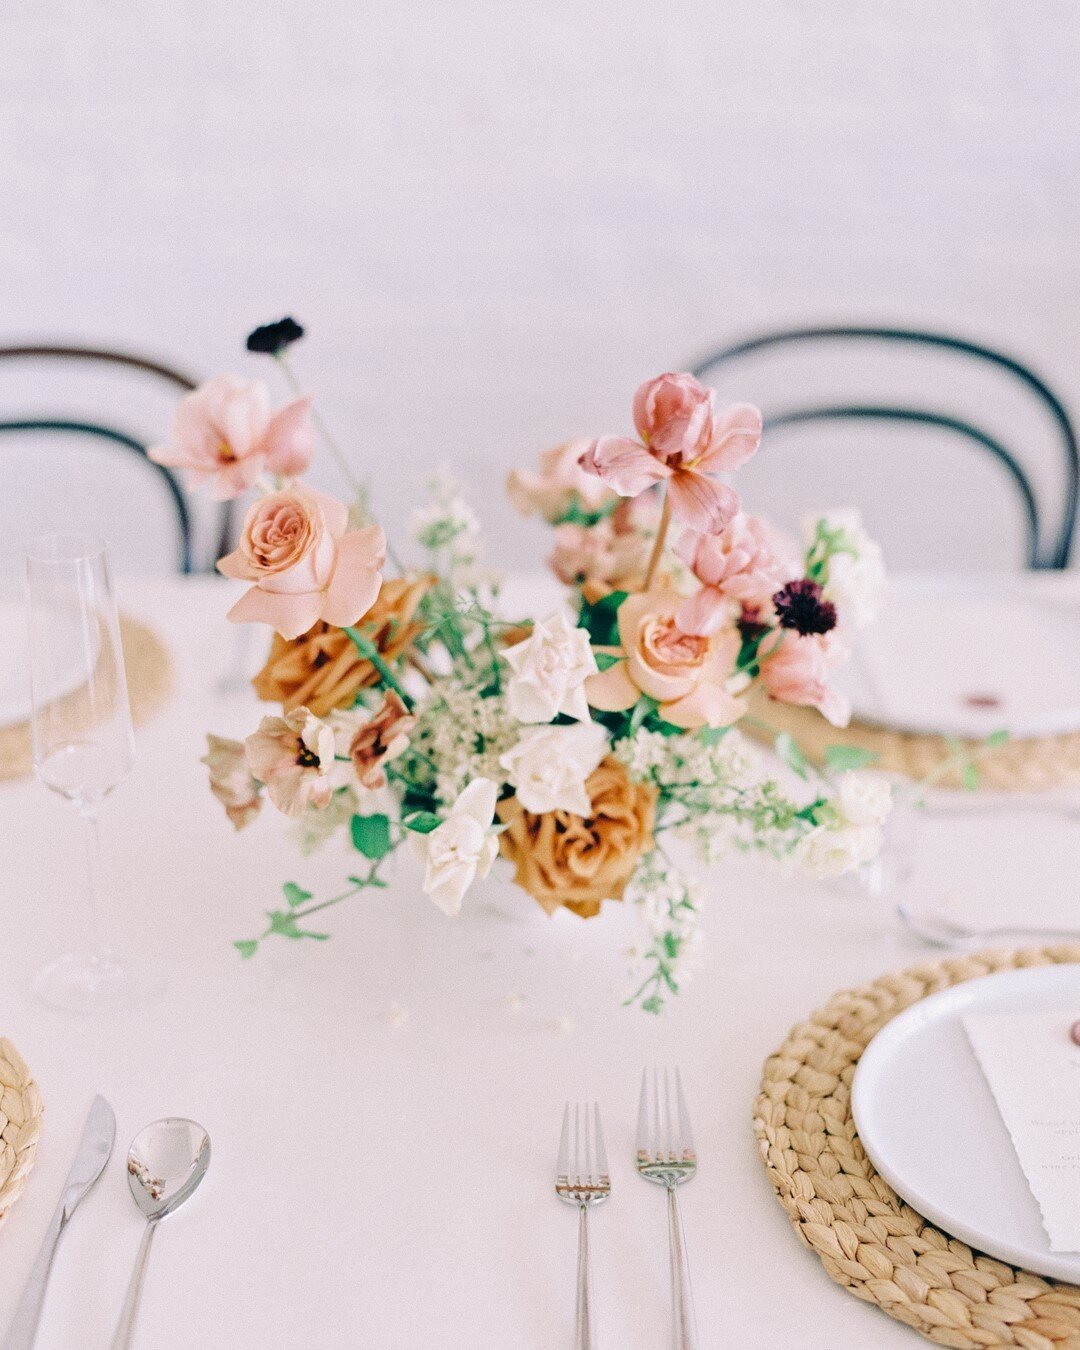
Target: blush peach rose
224, 434
685, 673
305, 562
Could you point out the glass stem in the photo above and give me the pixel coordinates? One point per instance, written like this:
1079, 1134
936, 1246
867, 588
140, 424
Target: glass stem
92, 855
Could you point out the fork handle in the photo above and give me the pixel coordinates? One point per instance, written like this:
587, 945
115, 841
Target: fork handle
583, 1321
684, 1321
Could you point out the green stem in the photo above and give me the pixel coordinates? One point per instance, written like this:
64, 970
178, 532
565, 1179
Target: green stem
370, 652
323, 429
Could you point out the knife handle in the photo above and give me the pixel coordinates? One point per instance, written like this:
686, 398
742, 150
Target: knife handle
23, 1329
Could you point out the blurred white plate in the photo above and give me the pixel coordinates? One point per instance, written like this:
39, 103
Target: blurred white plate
929, 1123
968, 657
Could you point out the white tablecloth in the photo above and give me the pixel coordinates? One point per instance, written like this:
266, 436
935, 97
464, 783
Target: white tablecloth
390, 1185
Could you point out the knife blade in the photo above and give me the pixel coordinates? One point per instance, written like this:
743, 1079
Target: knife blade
95, 1149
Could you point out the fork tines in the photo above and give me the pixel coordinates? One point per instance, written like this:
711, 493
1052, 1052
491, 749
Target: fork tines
663, 1131
581, 1173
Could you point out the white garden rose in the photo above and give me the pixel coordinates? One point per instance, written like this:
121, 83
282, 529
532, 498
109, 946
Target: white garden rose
856, 578
549, 765
863, 798
461, 848
550, 669
830, 852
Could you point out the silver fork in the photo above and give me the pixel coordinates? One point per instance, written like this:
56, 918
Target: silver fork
581, 1178
665, 1154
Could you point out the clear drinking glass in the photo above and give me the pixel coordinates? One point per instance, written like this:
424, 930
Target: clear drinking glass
83, 741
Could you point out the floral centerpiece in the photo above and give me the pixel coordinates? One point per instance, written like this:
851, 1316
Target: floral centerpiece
574, 745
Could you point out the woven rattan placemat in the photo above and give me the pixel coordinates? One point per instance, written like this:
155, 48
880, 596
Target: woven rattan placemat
867, 1238
20, 1125
149, 678
1016, 766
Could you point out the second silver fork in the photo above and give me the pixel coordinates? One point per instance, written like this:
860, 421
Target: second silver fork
581, 1178
666, 1155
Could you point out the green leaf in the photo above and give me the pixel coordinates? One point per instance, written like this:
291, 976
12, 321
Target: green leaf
371, 836
839, 758
600, 621
284, 924
605, 660
370, 880
793, 757
971, 778
421, 822
294, 894
644, 706
712, 735
247, 947
995, 739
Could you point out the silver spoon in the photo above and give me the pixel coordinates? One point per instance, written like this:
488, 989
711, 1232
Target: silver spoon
940, 930
165, 1164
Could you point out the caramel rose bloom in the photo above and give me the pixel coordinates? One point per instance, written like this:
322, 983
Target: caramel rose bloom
322, 670
580, 861
382, 739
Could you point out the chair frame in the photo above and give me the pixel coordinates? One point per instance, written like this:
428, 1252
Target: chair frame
1059, 551
115, 435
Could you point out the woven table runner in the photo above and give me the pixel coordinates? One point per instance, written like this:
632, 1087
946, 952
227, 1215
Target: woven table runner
1016, 766
20, 1125
866, 1237
149, 679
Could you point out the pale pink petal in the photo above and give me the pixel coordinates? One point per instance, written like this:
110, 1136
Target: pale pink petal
612, 690
170, 457
356, 580
335, 513
233, 480
703, 613
235, 565
291, 615
624, 465
708, 705
835, 708
702, 503
289, 440
736, 435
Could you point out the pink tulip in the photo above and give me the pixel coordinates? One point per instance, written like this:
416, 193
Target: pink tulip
560, 485
745, 564
795, 669
683, 443
224, 434
305, 562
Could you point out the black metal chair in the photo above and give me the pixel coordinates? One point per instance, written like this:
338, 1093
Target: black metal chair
114, 435
1052, 551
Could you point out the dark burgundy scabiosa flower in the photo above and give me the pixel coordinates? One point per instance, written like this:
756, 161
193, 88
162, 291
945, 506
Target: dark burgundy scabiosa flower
272, 338
750, 625
800, 606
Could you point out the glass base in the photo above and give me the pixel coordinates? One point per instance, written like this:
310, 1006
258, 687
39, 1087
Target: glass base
92, 982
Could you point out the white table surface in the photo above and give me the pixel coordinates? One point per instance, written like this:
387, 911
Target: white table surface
391, 1186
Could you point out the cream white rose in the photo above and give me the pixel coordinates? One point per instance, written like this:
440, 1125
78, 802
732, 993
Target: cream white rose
828, 852
549, 672
863, 798
461, 848
549, 765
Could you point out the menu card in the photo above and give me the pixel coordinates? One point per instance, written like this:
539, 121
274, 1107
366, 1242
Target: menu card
1033, 1069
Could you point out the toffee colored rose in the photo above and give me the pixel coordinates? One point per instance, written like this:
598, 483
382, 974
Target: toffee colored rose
580, 861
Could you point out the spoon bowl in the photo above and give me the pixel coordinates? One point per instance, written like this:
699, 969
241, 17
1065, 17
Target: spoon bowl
165, 1163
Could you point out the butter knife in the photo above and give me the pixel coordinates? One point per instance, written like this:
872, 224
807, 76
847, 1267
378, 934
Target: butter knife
95, 1147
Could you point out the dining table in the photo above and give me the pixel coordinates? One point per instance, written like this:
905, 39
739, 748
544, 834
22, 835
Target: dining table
384, 1106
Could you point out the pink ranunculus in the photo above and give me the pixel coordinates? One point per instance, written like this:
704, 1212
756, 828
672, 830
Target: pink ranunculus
294, 756
305, 562
795, 668
745, 564
683, 442
224, 434
686, 674
560, 485
600, 554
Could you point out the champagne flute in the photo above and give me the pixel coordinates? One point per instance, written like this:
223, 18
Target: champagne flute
84, 746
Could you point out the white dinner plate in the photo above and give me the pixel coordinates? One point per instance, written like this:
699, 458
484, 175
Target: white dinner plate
970, 656
929, 1123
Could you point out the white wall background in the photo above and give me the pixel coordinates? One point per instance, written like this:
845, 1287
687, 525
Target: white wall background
497, 216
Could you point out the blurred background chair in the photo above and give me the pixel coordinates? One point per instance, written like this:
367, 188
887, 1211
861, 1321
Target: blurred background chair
75, 424
887, 418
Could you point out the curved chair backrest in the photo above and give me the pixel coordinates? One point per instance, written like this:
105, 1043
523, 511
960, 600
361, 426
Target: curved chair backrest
1043, 552
113, 435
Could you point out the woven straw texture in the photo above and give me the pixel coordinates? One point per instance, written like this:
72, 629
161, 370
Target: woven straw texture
867, 1238
149, 678
1016, 766
20, 1125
